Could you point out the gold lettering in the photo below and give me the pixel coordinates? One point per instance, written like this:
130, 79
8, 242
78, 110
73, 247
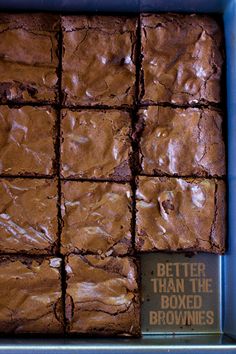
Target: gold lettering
169, 272
210, 317
160, 269
201, 285
208, 285
152, 317
170, 318
170, 285
201, 268
161, 318
191, 318
154, 281
164, 301
181, 302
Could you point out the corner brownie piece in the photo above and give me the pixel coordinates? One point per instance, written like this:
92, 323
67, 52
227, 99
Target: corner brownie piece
96, 218
28, 216
30, 295
182, 59
28, 57
96, 144
181, 142
27, 137
102, 296
180, 214
98, 60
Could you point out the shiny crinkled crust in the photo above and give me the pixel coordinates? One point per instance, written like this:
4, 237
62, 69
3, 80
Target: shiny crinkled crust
182, 142
176, 214
182, 59
96, 218
27, 137
29, 58
30, 295
96, 144
102, 296
98, 60
28, 216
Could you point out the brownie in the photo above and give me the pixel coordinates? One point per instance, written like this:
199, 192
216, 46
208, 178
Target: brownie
27, 136
102, 296
98, 60
182, 59
181, 142
180, 214
96, 144
96, 218
30, 295
28, 57
28, 216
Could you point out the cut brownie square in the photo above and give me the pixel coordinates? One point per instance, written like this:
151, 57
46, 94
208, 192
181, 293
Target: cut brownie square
30, 295
27, 137
182, 59
102, 296
98, 60
28, 216
28, 57
96, 218
180, 214
96, 144
181, 142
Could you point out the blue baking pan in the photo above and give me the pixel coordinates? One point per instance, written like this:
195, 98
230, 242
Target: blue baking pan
221, 338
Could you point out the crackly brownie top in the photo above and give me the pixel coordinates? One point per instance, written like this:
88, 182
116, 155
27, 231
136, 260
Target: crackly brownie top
99, 60
177, 214
30, 295
28, 57
102, 295
182, 59
96, 144
96, 217
28, 215
181, 142
27, 140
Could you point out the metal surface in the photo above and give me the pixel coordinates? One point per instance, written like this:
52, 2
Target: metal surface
229, 261
159, 343
180, 293
147, 344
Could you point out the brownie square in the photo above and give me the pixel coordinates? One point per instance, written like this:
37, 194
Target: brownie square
27, 137
28, 52
182, 59
96, 144
181, 142
96, 218
30, 295
98, 60
180, 214
28, 216
102, 296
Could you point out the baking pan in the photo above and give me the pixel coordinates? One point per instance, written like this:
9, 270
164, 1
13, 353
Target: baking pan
214, 336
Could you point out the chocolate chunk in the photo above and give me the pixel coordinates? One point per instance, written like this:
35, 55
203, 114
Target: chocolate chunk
96, 144
182, 142
176, 214
98, 60
182, 59
28, 216
28, 56
105, 296
96, 218
27, 137
30, 295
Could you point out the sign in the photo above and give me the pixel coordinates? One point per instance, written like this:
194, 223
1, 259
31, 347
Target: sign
180, 293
